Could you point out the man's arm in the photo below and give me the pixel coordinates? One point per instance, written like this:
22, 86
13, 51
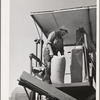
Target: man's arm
51, 51
51, 38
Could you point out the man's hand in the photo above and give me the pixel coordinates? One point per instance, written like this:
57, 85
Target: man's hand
51, 56
37, 69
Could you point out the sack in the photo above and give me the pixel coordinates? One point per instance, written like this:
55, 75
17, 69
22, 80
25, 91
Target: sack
57, 69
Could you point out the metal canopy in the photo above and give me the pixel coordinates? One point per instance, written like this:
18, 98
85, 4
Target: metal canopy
72, 19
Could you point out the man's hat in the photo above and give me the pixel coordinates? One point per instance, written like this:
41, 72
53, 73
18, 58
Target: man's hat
63, 28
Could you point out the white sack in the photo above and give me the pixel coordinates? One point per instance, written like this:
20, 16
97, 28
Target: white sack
57, 69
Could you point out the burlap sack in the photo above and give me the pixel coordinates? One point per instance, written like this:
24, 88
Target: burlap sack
58, 69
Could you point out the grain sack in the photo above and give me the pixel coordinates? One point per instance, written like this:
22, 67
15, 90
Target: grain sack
57, 69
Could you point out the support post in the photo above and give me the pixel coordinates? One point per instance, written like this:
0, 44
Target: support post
32, 94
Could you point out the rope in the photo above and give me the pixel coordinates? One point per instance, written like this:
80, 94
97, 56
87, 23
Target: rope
55, 20
78, 41
37, 29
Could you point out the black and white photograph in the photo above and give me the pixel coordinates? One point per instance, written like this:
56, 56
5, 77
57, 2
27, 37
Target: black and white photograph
50, 50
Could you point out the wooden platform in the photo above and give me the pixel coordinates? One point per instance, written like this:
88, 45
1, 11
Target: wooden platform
80, 91
71, 91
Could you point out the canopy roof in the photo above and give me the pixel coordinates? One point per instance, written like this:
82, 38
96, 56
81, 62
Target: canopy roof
72, 19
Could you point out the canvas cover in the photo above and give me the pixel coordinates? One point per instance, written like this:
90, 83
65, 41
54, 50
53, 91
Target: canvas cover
76, 65
72, 19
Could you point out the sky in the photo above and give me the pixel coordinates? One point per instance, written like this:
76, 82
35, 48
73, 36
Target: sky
22, 31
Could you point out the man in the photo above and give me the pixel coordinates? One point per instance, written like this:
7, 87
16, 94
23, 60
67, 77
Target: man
54, 44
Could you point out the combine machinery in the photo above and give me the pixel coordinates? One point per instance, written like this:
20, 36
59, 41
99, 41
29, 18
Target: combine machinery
80, 53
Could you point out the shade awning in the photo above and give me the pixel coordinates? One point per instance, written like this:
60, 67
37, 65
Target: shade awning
72, 19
